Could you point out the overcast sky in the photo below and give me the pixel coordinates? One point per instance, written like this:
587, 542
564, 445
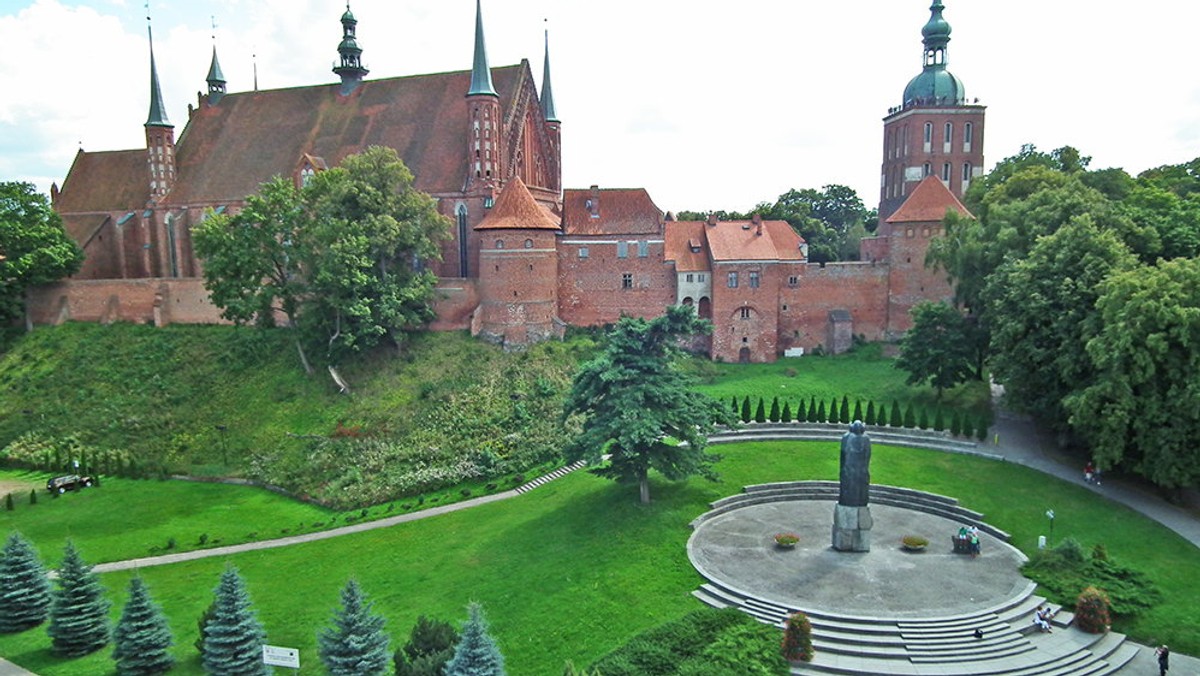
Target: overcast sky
708, 105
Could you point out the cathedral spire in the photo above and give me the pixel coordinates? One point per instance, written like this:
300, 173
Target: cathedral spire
547, 93
481, 75
158, 112
350, 69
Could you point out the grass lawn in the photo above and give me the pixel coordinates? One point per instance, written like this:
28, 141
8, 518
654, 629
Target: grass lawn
572, 569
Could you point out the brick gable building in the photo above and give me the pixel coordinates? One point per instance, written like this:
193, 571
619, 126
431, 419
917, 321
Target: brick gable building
526, 257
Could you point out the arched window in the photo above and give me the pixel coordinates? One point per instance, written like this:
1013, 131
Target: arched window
499, 244
529, 244
463, 230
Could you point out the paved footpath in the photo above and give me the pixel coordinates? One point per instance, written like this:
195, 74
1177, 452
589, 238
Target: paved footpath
1016, 439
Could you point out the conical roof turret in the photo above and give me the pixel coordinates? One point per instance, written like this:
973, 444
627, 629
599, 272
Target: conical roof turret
547, 93
215, 79
481, 75
158, 112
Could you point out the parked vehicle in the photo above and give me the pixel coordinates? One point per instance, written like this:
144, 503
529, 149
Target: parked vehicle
69, 482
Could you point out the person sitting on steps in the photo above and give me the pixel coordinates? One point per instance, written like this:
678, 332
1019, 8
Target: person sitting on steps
1041, 617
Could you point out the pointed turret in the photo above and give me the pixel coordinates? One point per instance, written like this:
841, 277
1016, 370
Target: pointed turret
216, 80
350, 69
485, 158
547, 93
158, 112
160, 134
481, 75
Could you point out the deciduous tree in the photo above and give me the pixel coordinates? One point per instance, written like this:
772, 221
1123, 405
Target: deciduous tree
641, 410
940, 348
34, 247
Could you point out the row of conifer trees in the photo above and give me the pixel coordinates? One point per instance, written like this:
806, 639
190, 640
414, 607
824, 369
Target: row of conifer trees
76, 614
956, 422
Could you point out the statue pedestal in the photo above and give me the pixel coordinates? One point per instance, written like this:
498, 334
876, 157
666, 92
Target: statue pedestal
852, 528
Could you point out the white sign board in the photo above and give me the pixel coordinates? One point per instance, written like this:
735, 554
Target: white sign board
275, 656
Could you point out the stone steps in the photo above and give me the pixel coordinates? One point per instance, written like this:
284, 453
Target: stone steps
794, 431
928, 646
547, 478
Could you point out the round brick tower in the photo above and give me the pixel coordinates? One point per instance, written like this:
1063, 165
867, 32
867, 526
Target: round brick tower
518, 271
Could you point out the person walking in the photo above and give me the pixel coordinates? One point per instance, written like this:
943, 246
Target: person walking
1164, 658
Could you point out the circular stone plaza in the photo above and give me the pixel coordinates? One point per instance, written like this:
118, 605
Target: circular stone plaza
888, 610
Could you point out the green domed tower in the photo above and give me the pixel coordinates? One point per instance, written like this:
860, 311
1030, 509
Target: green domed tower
936, 130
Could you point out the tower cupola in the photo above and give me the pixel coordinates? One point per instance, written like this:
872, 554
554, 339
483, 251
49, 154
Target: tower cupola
935, 85
215, 79
350, 67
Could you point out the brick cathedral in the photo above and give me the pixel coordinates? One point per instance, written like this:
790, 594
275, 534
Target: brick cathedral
527, 257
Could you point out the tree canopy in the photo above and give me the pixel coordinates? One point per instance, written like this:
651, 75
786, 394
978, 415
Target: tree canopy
641, 410
34, 247
342, 259
943, 347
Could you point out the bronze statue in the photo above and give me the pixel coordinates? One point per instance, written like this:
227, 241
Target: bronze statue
855, 467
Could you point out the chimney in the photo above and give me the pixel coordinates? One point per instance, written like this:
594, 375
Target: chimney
756, 219
712, 218
593, 202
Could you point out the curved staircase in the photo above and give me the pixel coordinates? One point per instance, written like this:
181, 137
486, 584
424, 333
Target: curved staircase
933, 646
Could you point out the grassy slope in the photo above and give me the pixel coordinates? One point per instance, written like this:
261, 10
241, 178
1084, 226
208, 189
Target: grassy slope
573, 569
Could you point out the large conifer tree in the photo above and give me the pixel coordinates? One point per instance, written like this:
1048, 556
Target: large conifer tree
233, 637
24, 587
355, 644
143, 639
78, 611
477, 653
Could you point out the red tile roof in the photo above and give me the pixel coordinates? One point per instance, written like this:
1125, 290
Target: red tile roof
515, 208
741, 241
681, 237
105, 181
928, 203
229, 149
621, 211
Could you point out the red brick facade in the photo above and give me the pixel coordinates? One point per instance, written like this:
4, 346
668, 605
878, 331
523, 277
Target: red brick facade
526, 258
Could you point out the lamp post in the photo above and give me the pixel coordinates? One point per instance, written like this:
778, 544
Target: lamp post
224, 449
1050, 515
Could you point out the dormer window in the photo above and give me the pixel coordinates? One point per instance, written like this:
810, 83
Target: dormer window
306, 175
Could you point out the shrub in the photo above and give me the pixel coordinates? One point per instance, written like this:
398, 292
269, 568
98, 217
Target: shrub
760, 412
923, 420
910, 416
844, 411
33, 496
939, 421
1091, 611
202, 540
746, 415
981, 429
896, 419
786, 539
801, 412
870, 419
858, 411
8, 502
797, 639
683, 638
786, 416
430, 646
914, 541
820, 417
170, 543
773, 416
955, 424
750, 649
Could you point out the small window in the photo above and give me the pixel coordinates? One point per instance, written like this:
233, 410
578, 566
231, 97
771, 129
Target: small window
927, 137
948, 137
701, 277
499, 244
643, 249
689, 278
793, 281
583, 252
754, 280
627, 280
785, 307
946, 170
732, 280
966, 172
926, 169
529, 244
622, 249
744, 313
968, 136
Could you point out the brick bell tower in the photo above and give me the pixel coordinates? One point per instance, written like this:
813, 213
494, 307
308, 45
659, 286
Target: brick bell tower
160, 134
935, 131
